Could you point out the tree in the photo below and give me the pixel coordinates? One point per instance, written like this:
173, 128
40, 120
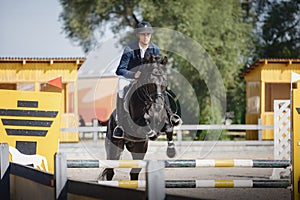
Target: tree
277, 27
218, 26
281, 31
82, 18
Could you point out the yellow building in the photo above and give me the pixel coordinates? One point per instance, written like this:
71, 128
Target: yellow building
32, 74
267, 80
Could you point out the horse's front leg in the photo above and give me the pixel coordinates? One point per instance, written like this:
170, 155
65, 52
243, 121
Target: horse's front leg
171, 151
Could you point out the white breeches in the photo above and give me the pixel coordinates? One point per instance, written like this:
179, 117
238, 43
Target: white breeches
122, 83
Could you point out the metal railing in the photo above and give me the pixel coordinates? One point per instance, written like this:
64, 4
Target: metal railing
95, 129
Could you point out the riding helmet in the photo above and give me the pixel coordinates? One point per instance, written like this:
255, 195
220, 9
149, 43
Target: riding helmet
144, 27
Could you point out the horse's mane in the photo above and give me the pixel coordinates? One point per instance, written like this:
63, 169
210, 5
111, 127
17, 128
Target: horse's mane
153, 65
155, 58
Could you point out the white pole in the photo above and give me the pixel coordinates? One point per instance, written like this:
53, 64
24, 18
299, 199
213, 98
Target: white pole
155, 180
95, 136
60, 175
4, 173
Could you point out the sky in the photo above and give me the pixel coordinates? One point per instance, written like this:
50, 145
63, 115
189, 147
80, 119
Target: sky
31, 28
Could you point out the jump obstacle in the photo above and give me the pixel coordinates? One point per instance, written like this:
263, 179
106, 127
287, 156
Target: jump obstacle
190, 164
156, 173
179, 163
204, 183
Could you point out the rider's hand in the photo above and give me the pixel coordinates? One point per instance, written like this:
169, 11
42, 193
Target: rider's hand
137, 74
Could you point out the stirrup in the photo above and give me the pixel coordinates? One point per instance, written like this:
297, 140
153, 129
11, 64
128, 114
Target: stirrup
118, 132
175, 120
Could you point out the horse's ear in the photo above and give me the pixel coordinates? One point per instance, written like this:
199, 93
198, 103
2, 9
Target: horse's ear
164, 60
147, 58
152, 58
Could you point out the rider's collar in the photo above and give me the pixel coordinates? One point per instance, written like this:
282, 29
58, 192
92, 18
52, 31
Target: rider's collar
144, 49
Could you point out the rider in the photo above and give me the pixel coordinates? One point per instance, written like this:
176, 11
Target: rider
131, 58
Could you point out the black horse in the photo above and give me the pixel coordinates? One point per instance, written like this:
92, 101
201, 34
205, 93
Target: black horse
146, 116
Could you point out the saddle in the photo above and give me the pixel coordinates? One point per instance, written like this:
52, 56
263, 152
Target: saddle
128, 92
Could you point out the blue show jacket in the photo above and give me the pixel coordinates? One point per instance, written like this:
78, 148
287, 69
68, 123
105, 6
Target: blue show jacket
131, 58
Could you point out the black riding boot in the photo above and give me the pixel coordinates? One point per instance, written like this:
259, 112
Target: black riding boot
119, 131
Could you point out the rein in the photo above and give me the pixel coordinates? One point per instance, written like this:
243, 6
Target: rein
149, 91
145, 95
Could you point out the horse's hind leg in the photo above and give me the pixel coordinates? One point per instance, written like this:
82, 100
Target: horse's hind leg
138, 151
113, 152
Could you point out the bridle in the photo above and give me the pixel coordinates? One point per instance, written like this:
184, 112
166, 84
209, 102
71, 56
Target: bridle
147, 97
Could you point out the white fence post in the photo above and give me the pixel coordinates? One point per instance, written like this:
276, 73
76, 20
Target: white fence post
155, 180
60, 175
4, 173
259, 130
95, 124
282, 138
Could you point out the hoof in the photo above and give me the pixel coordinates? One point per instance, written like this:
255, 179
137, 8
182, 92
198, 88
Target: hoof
171, 152
106, 175
153, 138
